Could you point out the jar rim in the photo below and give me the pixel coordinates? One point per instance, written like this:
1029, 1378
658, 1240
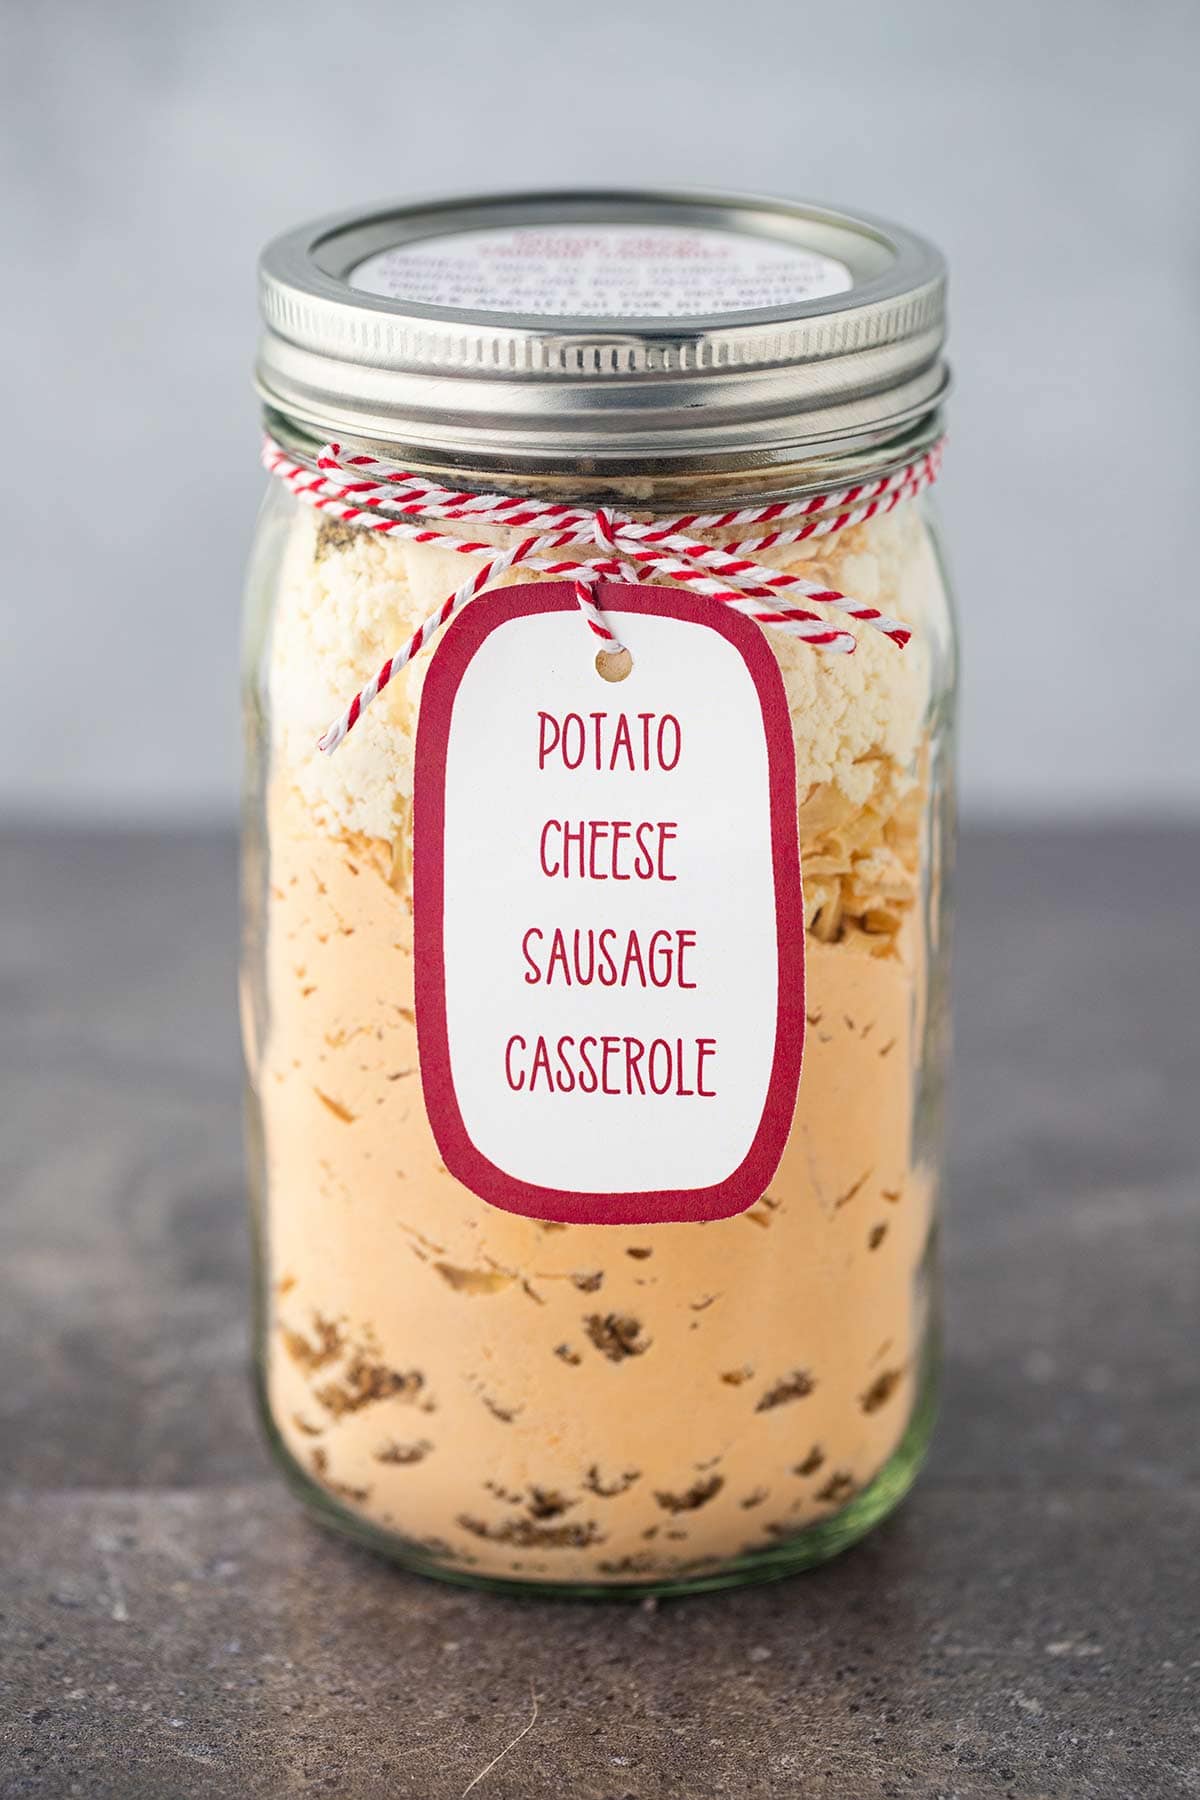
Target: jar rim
849, 357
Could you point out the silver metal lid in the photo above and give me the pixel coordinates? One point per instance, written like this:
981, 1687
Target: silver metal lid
604, 331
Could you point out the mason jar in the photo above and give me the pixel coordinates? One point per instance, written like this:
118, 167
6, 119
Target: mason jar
594, 981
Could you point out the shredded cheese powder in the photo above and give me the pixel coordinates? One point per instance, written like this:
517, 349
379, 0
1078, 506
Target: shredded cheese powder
587, 1404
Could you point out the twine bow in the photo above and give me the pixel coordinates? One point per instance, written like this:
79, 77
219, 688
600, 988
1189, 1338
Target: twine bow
607, 545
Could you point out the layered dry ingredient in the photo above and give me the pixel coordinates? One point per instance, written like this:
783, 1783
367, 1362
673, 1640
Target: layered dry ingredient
585, 1403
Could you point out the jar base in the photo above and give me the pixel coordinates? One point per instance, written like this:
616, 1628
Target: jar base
815, 1544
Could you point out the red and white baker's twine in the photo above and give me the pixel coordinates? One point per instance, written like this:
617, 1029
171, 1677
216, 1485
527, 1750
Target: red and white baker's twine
377, 496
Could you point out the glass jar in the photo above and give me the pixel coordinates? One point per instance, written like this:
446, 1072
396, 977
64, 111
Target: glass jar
566, 1401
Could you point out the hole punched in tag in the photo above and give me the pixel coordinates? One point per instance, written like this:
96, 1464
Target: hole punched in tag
614, 665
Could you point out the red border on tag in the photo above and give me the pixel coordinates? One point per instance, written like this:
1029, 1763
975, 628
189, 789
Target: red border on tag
463, 1159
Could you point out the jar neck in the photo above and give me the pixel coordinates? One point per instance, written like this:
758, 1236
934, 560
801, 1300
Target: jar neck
651, 486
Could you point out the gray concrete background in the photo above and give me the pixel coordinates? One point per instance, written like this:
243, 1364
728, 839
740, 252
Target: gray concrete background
171, 1628
149, 149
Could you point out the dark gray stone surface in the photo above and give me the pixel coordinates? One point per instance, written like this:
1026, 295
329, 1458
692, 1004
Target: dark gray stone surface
1026, 1626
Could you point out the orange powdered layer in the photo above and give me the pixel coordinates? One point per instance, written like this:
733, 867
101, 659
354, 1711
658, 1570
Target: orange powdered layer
574, 1403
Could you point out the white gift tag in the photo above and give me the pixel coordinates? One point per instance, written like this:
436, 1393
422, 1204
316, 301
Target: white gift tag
609, 929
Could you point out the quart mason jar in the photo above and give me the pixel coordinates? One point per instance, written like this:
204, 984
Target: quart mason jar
576, 1401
